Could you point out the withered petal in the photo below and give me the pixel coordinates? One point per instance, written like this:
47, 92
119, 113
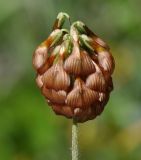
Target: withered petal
72, 65
88, 65
110, 85
49, 61
80, 114
39, 81
96, 82
84, 115
100, 42
54, 96
63, 110
79, 65
98, 109
81, 96
106, 61
56, 78
39, 57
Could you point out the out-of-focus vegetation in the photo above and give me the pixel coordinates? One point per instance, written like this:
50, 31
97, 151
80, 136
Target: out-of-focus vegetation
29, 130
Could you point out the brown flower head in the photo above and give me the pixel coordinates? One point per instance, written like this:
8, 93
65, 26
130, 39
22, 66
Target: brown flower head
74, 71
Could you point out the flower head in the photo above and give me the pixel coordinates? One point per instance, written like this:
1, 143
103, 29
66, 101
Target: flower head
74, 70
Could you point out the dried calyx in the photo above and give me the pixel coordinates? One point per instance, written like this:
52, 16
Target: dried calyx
74, 70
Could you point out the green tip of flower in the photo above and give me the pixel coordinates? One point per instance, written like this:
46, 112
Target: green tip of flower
79, 23
62, 15
66, 37
80, 26
64, 30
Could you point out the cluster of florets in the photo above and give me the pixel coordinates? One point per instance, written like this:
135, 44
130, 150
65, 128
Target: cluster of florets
74, 71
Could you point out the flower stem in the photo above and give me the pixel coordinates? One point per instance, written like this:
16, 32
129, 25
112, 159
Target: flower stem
75, 140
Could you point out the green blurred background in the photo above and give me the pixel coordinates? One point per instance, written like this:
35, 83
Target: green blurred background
29, 130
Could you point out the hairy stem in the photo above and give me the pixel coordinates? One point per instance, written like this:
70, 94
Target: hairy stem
74, 140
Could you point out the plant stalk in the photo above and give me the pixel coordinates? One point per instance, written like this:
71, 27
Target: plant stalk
75, 151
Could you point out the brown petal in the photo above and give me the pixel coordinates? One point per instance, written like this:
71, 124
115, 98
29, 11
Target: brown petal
92, 113
96, 82
40, 56
49, 61
97, 109
84, 115
98, 42
39, 81
54, 96
106, 60
81, 115
88, 65
46, 65
81, 96
79, 64
72, 65
56, 78
63, 110
110, 84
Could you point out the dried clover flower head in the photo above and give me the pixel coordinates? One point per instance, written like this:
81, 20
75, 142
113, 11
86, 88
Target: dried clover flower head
74, 71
